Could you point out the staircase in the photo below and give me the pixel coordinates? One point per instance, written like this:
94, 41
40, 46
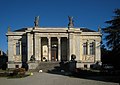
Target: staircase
48, 66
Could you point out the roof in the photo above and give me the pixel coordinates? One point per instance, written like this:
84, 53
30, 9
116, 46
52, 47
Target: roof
86, 30
21, 30
83, 30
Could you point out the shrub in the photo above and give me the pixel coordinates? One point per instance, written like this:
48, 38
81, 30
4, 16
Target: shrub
19, 71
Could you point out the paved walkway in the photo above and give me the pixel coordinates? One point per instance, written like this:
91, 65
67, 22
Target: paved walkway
51, 79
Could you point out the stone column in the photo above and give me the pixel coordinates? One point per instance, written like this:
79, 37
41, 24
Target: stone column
40, 48
29, 46
20, 49
59, 49
36, 48
49, 48
81, 49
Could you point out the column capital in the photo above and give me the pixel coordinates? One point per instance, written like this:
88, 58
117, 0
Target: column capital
88, 40
58, 37
48, 37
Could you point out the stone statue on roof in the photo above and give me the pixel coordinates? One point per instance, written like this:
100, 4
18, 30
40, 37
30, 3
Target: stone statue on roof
36, 22
71, 24
99, 29
9, 29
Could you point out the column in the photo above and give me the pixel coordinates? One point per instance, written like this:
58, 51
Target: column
40, 48
49, 48
29, 47
81, 49
36, 47
59, 49
20, 49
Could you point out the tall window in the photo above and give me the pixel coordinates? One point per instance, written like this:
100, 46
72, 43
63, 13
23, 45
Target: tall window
85, 48
18, 48
92, 48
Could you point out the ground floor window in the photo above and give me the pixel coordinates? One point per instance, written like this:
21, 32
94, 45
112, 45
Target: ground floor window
85, 48
89, 48
18, 48
92, 48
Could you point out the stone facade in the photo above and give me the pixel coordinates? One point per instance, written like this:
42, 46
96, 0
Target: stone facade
53, 44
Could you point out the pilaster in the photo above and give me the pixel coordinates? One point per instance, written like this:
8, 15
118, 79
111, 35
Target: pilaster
70, 45
10, 49
97, 51
81, 49
39, 49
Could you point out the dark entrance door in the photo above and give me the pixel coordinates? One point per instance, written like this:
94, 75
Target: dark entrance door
53, 53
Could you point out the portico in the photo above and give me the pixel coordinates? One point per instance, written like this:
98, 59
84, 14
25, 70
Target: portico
47, 48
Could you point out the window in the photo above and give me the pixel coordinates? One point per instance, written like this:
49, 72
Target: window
85, 48
92, 48
18, 48
85, 66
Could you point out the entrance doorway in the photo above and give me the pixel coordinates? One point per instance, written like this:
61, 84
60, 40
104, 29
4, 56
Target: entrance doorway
54, 54
54, 49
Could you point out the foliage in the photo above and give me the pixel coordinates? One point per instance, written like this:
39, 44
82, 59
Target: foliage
18, 71
113, 31
113, 37
105, 55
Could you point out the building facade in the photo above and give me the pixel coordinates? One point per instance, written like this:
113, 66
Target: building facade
53, 44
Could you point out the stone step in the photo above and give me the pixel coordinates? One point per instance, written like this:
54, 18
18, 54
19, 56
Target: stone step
48, 66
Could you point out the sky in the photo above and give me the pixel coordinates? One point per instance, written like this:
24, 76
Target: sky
17, 14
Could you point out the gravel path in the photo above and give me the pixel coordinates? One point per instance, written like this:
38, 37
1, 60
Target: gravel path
51, 79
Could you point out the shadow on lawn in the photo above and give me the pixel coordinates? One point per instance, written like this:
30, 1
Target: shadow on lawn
88, 74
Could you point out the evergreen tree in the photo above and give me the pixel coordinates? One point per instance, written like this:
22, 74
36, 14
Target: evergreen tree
113, 31
113, 35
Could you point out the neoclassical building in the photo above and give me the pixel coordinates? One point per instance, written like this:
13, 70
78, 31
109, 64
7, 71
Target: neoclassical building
53, 44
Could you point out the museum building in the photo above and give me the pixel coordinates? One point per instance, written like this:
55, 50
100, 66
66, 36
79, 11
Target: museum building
53, 44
